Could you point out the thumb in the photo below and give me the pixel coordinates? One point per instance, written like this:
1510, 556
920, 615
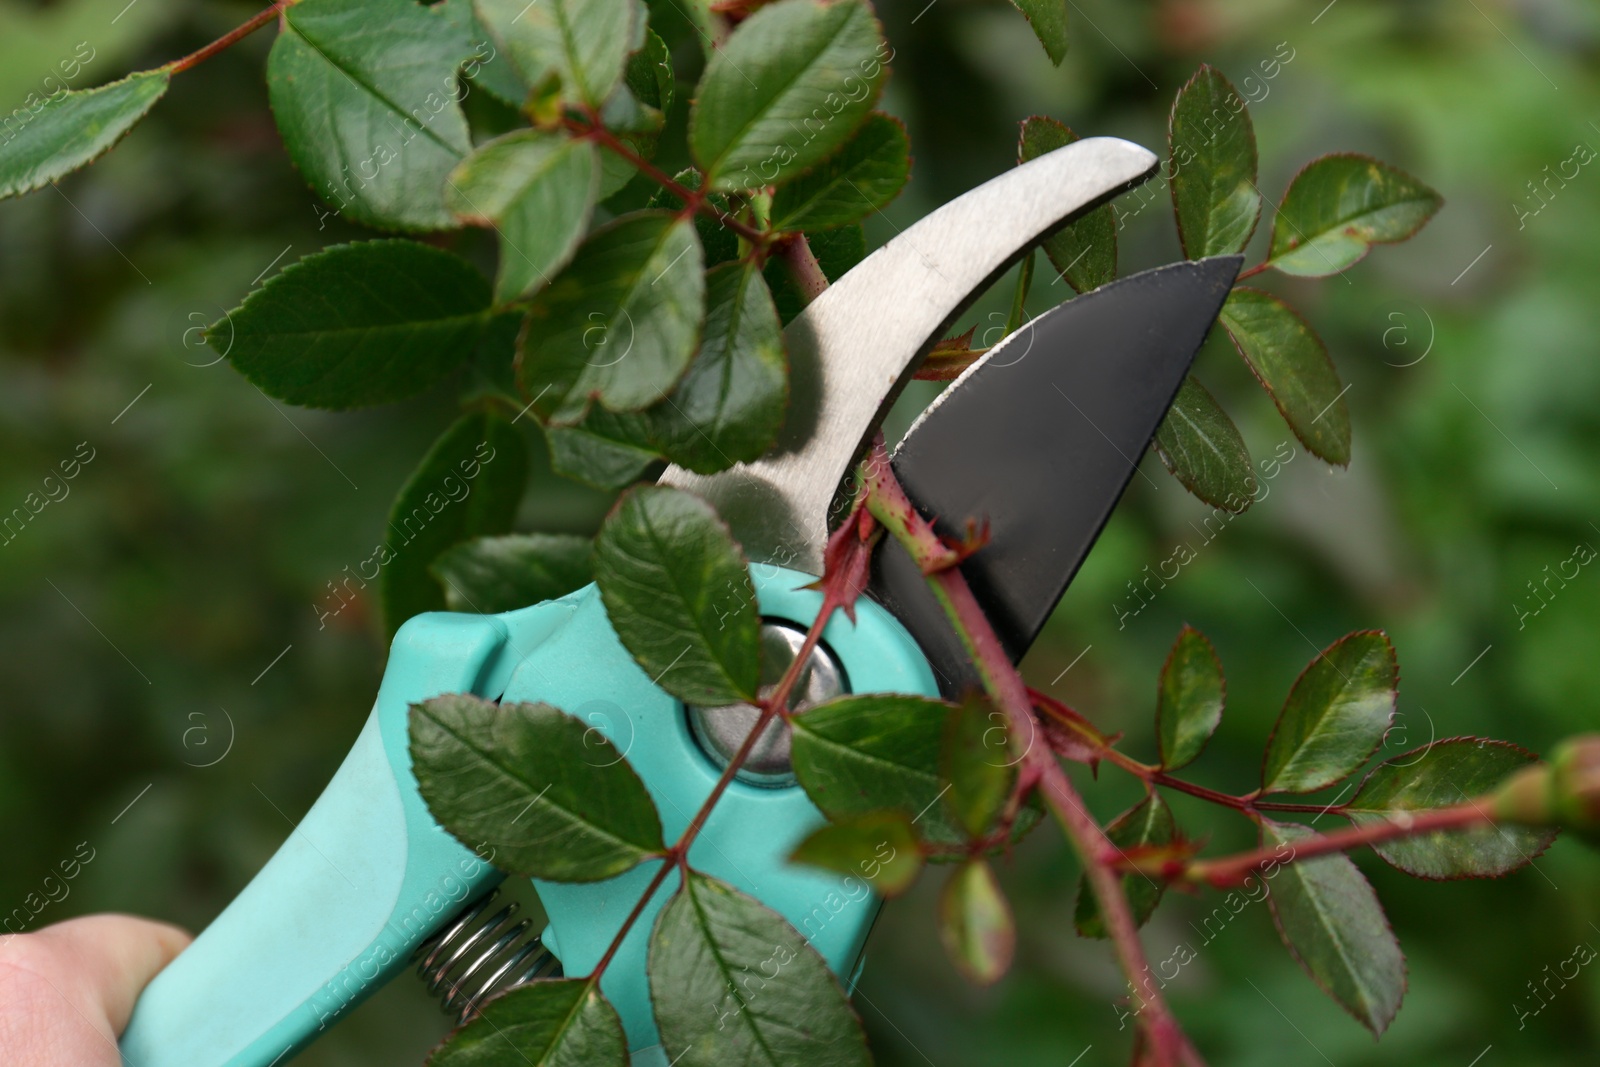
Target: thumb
113, 958
74, 977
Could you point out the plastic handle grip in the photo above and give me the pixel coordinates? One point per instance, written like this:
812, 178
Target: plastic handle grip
368, 875
365, 877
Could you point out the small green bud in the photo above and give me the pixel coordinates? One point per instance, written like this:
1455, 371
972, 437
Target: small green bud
1525, 797
1564, 792
543, 105
1577, 783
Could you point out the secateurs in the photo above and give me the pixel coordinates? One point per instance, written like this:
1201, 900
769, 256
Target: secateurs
1040, 437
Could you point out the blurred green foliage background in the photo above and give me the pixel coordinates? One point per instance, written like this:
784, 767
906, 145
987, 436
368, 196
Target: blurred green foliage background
161, 614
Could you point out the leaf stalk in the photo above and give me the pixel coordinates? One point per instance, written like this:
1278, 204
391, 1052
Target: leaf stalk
229, 39
694, 200
1230, 871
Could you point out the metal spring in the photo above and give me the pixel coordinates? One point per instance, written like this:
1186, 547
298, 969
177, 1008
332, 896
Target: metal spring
464, 966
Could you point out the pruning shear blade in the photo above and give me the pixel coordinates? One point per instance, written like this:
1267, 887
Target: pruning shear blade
1039, 439
855, 346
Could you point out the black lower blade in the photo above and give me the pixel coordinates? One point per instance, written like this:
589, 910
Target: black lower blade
1040, 439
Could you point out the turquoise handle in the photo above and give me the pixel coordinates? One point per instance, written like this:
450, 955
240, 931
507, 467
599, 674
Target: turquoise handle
364, 878
368, 875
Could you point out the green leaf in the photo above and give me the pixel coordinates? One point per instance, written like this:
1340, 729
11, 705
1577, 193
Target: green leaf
677, 591
1146, 824
1335, 716
1084, 253
607, 449
649, 73
1049, 21
880, 846
1204, 450
790, 86
1189, 699
706, 24
552, 1022
836, 252
875, 752
1339, 206
584, 43
488, 575
638, 124
537, 190
620, 324
69, 129
975, 923
469, 484
359, 324
730, 404
365, 95
494, 363
1019, 295
977, 763
733, 983
867, 173
548, 793
1442, 774
1211, 164
1332, 922
495, 74
1289, 360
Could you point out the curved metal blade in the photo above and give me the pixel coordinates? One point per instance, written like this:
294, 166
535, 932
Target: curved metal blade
856, 345
1040, 438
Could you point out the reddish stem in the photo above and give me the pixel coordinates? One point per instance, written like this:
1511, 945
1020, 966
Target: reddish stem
694, 200
1251, 272
1153, 775
1168, 1047
803, 266
1234, 870
229, 39
1302, 809
1227, 800
633, 917
1247, 804
773, 704
888, 503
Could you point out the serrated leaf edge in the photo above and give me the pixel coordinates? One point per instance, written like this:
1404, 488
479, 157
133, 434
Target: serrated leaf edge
1405, 964
515, 774
1344, 810
1321, 347
1255, 153
1438, 199
721, 524
1321, 655
1222, 677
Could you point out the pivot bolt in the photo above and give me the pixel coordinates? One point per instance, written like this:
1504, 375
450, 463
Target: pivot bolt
721, 731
